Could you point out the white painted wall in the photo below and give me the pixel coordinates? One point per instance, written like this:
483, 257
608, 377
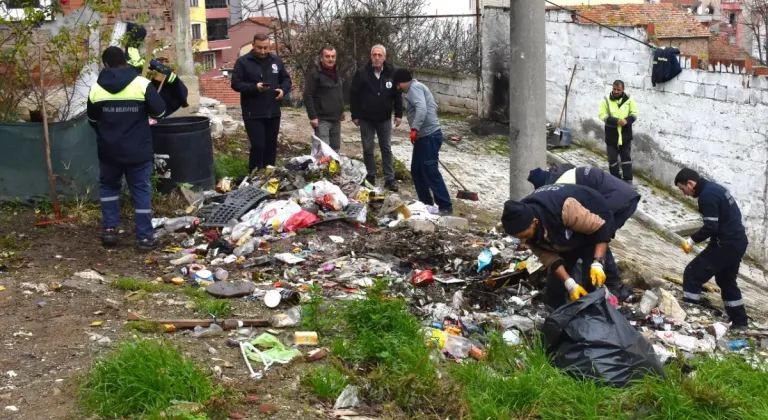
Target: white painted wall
712, 122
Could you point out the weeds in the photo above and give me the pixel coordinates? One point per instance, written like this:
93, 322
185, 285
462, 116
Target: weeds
315, 316
132, 285
229, 165
326, 382
145, 326
142, 378
402, 173
13, 242
215, 307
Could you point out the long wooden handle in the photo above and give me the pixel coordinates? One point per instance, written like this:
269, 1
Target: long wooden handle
565, 103
192, 323
148, 55
452, 175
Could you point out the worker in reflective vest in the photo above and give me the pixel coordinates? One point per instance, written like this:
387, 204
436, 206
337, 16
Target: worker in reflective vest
619, 112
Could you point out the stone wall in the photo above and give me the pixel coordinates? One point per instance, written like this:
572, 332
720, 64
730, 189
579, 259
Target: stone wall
454, 93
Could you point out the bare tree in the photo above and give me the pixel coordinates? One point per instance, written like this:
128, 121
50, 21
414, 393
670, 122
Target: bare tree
755, 19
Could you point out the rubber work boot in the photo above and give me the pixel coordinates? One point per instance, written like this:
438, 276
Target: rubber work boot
146, 245
371, 180
109, 237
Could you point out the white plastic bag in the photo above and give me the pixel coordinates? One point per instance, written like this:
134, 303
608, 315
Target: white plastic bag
326, 193
322, 150
276, 213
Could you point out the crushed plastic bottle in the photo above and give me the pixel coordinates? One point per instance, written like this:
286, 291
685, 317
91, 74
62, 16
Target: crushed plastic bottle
246, 248
288, 319
214, 330
187, 259
239, 230
456, 346
178, 224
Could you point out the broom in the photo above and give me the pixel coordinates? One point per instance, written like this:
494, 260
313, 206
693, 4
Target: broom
464, 193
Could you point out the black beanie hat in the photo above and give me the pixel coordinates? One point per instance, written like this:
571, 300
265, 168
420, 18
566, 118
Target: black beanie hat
401, 75
517, 217
538, 177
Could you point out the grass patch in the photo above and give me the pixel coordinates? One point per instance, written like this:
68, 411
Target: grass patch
216, 307
326, 382
380, 334
498, 388
12, 242
498, 145
230, 165
142, 378
131, 285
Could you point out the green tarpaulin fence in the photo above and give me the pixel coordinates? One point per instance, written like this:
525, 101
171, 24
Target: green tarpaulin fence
23, 173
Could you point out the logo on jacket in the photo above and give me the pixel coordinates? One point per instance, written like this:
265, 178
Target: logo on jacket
389, 85
274, 68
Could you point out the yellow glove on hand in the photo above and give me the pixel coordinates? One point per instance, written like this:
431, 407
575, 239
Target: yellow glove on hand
575, 291
597, 274
688, 245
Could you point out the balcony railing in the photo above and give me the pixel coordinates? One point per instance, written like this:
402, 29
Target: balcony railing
216, 4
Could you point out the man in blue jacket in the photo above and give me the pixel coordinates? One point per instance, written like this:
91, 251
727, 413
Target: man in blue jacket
622, 201
263, 82
727, 245
119, 107
564, 224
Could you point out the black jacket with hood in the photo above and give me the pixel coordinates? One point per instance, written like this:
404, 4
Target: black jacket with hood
373, 99
616, 192
250, 70
323, 96
119, 107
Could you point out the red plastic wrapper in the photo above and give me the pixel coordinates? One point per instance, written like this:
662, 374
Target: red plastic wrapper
299, 220
422, 278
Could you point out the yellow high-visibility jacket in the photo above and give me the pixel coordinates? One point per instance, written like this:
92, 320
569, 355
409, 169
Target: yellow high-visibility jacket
613, 110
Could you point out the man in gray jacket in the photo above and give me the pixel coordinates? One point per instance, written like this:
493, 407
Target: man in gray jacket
426, 137
324, 99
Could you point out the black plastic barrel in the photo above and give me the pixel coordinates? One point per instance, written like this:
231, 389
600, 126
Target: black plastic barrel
184, 151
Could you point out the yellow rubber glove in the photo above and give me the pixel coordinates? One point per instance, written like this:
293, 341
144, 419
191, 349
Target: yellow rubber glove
575, 291
688, 245
597, 274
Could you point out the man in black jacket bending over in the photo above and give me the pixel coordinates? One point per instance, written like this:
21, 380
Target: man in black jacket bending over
727, 245
373, 95
262, 81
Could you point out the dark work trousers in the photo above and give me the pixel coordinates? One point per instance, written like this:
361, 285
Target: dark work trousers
557, 294
720, 259
624, 152
369, 130
426, 173
138, 179
262, 133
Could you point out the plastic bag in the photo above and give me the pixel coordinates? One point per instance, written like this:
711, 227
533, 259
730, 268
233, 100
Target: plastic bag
276, 213
353, 170
591, 339
321, 150
276, 351
326, 194
484, 259
299, 220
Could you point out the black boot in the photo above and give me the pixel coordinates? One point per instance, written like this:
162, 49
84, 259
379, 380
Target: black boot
392, 186
146, 245
109, 237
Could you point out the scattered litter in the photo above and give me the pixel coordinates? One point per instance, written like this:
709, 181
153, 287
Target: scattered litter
305, 338
289, 258
336, 239
484, 259
90, 275
11, 374
348, 398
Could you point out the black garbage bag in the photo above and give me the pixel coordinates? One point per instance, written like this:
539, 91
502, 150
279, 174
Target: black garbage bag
589, 338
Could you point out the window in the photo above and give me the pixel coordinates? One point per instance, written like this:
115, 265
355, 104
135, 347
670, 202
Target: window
732, 18
194, 3
197, 30
216, 4
209, 61
14, 9
217, 29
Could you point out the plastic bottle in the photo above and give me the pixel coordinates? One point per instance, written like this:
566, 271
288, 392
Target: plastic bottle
239, 230
738, 344
457, 346
245, 248
212, 331
187, 259
181, 223
288, 319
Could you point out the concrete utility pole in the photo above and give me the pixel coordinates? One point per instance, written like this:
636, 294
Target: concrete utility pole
527, 93
181, 28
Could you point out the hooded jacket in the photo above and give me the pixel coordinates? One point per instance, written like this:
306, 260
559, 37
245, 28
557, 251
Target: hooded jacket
617, 193
119, 107
721, 214
570, 217
250, 70
323, 96
611, 111
373, 99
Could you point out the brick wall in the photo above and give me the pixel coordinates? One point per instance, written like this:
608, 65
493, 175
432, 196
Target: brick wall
219, 89
454, 93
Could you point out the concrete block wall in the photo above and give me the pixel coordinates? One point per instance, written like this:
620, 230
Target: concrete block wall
454, 93
705, 120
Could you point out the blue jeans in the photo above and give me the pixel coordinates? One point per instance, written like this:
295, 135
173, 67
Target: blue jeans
426, 174
138, 179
